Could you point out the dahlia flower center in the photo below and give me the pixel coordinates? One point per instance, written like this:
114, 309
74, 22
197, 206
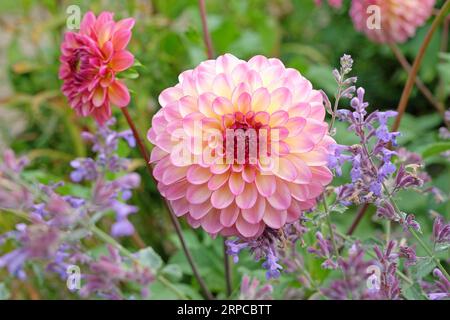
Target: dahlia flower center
245, 140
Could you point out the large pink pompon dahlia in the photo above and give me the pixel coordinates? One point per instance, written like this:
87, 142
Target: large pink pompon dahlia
240, 146
90, 61
387, 21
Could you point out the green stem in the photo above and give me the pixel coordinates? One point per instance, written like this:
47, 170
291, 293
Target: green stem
333, 240
110, 240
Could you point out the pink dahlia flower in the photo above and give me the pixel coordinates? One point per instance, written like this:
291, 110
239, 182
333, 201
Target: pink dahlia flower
398, 19
241, 145
90, 61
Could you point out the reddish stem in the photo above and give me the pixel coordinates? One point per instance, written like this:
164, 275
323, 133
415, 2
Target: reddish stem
206, 35
169, 209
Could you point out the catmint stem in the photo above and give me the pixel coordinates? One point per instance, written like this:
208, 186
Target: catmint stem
416, 236
110, 240
226, 261
172, 216
333, 240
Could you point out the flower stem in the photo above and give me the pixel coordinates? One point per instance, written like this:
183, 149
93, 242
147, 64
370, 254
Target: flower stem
362, 210
226, 261
420, 85
415, 67
110, 240
333, 239
206, 34
169, 209
418, 238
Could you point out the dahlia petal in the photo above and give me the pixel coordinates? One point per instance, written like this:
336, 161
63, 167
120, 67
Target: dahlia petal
169, 95
118, 94
99, 96
226, 63
295, 126
285, 169
323, 175
314, 190
87, 23
248, 197
211, 222
120, 39
258, 62
260, 100
236, 183
300, 144
218, 180
197, 194
293, 212
249, 174
174, 174
302, 110
316, 157
266, 184
246, 229
104, 32
222, 106
193, 222
122, 60
298, 191
204, 81
281, 199
124, 24
176, 191
198, 175
304, 173
219, 168
222, 86
315, 130
157, 154
198, 211
229, 215
222, 197
205, 101
280, 99
244, 102
255, 214
180, 207
274, 218
188, 105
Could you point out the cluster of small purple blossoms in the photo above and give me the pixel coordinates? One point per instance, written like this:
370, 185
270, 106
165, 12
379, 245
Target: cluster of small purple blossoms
324, 250
55, 225
252, 290
372, 167
109, 195
268, 247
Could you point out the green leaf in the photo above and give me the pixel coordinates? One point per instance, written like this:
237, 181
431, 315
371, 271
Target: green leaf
435, 148
413, 292
129, 74
173, 272
4, 292
149, 258
423, 267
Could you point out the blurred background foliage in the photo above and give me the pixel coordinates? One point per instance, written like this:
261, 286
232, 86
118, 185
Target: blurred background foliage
36, 121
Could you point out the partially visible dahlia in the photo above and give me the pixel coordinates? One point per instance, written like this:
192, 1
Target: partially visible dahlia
399, 19
90, 61
240, 146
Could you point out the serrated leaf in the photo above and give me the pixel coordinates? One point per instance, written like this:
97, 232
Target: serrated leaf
422, 267
339, 208
413, 292
435, 148
149, 258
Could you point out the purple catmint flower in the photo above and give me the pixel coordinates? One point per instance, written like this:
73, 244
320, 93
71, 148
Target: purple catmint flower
442, 286
387, 261
271, 265
251, 290
441, 231
323, 250
354, 278
409, 254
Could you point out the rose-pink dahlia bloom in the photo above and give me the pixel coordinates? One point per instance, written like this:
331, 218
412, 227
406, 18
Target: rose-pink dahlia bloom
219, 184
399, 19
90, 61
